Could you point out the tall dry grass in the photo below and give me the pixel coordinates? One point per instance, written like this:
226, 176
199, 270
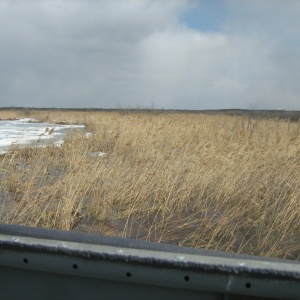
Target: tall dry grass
216, 182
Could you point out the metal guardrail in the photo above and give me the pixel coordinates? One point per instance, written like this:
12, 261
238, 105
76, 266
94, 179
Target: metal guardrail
39, 263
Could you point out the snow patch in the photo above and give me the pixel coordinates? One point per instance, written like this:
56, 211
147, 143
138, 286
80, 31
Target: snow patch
30, 132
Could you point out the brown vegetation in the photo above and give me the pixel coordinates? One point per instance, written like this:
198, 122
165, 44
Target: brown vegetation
218, 182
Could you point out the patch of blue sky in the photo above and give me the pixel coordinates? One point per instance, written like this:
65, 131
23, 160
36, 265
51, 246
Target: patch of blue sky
205, 15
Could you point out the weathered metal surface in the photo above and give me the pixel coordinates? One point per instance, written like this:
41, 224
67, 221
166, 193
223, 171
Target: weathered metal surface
46, 264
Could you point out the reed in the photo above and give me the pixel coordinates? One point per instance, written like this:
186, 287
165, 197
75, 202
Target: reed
219, 182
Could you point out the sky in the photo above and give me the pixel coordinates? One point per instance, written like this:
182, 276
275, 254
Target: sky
170, 54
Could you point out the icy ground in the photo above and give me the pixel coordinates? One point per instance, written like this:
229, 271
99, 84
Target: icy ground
29, 132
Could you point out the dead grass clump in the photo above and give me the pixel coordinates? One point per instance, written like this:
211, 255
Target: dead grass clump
217, 182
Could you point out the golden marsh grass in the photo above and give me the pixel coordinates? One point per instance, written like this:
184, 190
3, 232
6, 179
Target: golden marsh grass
208, 181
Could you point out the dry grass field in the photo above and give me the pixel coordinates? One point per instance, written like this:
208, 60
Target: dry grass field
228, 183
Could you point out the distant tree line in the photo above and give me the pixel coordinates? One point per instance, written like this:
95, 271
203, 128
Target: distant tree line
293, 116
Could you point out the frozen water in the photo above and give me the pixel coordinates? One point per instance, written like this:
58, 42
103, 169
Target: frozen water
28, 132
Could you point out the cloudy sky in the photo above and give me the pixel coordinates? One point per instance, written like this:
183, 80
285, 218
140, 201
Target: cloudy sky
205, 54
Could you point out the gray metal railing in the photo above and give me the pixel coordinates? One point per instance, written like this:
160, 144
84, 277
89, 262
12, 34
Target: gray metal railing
38, 263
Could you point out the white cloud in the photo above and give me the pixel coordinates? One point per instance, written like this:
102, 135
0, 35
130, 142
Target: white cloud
104, 53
